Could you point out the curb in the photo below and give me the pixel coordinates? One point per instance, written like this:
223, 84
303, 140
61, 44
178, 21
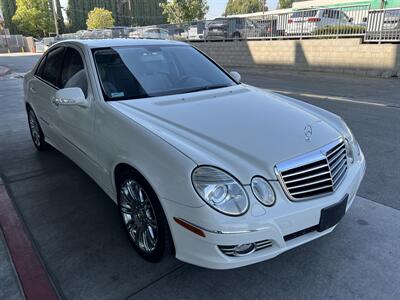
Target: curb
32, 275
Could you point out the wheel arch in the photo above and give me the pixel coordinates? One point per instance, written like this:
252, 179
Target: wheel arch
118, 175
122, 168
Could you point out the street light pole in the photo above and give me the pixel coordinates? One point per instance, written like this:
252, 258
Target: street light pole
55, 16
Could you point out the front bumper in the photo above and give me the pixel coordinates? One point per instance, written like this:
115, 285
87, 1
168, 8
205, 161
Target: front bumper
258, 224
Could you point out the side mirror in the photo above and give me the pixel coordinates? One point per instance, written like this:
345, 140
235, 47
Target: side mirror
236, 76
70, 96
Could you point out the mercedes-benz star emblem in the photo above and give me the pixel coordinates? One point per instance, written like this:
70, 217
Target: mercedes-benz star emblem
308, 132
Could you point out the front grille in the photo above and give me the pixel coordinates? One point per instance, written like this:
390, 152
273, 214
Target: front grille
315, 173
230, 250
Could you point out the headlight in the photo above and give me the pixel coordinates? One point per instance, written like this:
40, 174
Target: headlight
349, 150
263, 191
352, 147
220, 190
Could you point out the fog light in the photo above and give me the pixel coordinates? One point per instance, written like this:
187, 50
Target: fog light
244, 249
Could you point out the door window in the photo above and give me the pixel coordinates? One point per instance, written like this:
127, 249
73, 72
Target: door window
39, 70
73, 71
51, 71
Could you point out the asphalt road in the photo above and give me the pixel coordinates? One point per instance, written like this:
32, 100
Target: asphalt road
77, 231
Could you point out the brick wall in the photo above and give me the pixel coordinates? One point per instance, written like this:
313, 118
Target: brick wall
325, 55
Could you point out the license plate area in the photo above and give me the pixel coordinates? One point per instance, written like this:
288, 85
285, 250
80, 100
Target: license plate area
331, 215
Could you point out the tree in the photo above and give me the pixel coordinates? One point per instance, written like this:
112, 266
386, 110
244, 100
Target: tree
285, 3
8, 7
234, 7
99, 18
33, 17
181, 11
125, 12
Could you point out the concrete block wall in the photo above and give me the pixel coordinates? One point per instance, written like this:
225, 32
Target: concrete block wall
348, 55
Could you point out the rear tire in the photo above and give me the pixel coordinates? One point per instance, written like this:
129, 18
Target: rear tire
36, 131
143, 218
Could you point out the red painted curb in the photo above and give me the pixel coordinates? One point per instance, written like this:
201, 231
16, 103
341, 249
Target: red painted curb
32, 275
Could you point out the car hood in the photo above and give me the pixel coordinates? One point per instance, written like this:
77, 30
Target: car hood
241, 129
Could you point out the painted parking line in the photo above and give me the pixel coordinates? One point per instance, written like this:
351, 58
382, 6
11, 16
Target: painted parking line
32, 275
334, 98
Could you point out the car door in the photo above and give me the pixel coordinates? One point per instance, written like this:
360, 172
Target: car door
75, 123
42, 89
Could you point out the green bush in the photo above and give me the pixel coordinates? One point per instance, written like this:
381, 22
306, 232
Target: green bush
341, 29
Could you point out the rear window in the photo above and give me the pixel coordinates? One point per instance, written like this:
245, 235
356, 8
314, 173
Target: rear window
305, 14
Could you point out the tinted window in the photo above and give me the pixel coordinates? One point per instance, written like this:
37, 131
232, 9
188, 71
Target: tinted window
148, 71
39, 71
73, 73
53, 65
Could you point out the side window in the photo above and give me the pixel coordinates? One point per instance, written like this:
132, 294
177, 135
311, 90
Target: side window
333, 14
73, 71
39, 70
52, 68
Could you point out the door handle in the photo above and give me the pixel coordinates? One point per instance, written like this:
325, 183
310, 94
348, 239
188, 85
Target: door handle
32, 89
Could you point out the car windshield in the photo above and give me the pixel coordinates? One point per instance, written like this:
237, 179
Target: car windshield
156, 70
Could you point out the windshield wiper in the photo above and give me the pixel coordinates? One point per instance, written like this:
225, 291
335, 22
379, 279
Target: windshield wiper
205, 88
189, 90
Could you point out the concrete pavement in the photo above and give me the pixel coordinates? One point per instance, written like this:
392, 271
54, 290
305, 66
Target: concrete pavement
78, 234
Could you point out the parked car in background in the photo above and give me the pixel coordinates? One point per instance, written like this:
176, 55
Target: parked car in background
269, 26
149, 33
101, 34
219, 173
120, 31
196, 31
232, 28
309, 21
383, 24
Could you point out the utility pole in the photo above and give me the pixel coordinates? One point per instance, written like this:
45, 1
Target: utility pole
55, 16
263, 3
263, 6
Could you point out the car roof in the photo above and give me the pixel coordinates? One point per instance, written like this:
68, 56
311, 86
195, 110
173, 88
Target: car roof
101, 43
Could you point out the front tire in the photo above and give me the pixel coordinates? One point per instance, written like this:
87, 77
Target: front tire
36, 131
143, 218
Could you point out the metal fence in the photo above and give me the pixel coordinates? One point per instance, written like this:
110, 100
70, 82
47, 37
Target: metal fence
347, 21
383, 25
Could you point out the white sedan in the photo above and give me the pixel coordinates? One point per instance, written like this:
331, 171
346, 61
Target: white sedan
218, 172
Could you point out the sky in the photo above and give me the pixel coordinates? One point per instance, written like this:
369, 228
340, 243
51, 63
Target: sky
217, 7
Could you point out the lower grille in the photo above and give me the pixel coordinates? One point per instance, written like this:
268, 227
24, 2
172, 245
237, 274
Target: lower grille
315, 173
230, 250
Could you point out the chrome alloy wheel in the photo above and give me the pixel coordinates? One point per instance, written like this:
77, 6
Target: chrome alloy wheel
138, 215
34, 127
